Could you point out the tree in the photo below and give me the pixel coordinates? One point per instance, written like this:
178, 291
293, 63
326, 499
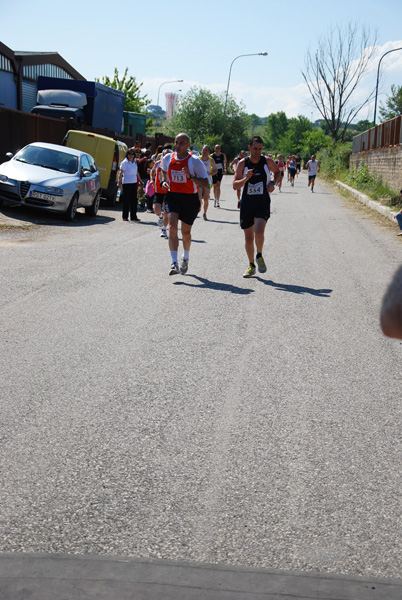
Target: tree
200, 115
333, 73
277, 125
393, 104
362, 125
292, 140
312, 142
134, 102
255, 121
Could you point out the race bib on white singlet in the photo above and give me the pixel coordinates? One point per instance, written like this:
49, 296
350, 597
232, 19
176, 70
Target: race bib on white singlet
255, 189
178, 176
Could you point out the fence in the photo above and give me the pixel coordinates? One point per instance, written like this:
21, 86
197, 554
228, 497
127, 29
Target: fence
382, 136
17, 129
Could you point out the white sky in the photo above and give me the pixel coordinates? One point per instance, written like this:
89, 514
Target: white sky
197, 41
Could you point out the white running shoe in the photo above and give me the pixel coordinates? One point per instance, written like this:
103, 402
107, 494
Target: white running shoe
184, 266
160, 221
164, 234
174, 269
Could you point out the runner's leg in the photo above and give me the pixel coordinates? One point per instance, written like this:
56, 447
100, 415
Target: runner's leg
173, 233
259, 231
249, 243
186, 235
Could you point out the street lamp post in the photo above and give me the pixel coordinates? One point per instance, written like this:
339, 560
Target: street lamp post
227, 89
378, 78
172, 81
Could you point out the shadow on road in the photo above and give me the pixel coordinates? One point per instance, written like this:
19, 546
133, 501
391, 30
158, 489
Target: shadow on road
214, 285
295, 289
225, 222
35, 216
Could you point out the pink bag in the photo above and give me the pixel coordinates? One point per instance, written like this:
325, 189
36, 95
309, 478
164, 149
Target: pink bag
149, 189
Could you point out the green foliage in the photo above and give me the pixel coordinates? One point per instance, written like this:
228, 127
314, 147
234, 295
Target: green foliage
200, 115
393, 104
293, 139
361, 179
277, 125
361, 126
255, 121
134, 102
312, 142
334, 159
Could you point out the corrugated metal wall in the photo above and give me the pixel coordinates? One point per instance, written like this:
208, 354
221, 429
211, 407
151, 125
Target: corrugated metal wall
28, 95
382, 136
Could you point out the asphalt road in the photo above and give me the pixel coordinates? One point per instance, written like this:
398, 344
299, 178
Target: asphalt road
204, 417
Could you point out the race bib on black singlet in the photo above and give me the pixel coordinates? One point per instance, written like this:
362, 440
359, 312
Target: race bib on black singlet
255, 189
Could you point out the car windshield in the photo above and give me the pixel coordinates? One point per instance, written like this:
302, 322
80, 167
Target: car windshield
48, 158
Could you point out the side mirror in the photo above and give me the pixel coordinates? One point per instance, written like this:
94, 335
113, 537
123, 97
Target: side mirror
86, 173
9, 155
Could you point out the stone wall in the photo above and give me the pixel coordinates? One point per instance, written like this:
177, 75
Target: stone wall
382, 162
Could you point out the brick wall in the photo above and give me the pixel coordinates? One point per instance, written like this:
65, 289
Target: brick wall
382, 162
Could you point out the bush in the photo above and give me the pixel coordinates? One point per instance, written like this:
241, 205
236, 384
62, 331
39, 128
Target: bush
334, 159
361, 179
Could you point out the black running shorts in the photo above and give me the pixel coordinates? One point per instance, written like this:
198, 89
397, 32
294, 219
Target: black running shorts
159, 198
252, 210
218, 176
187, 206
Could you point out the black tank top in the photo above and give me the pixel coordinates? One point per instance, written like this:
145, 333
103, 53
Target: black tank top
255, 190
219, 160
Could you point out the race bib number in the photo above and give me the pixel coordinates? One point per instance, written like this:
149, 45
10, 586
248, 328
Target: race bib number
178, 177
255, 189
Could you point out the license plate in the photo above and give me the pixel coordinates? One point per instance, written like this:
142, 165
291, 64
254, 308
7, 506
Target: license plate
42, 196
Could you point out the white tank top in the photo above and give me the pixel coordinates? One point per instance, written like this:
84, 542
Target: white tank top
208, 167
312, 167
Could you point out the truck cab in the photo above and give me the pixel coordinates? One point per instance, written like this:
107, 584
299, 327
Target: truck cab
61, 104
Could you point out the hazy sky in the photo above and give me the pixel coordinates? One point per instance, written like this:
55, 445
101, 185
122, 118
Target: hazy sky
197, 41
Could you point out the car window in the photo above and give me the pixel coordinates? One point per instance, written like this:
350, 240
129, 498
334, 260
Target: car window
92, 164
85, 163
48, 158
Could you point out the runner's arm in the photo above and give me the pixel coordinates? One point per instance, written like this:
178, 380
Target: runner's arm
273, 167
214, 168
240, 179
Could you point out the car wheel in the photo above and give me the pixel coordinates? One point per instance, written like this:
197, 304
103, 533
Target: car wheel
72, 208
93, 209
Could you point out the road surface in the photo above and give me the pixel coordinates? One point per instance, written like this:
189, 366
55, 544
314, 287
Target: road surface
204, 417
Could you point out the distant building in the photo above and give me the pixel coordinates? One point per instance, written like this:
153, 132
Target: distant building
19, 72
171, 105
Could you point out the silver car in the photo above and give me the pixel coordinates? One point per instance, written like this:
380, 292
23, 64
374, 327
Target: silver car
53, 178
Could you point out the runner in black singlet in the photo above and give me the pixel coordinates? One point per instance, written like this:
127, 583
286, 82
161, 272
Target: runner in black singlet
220, 161
254, 173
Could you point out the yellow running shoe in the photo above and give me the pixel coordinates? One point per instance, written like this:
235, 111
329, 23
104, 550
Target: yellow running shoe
262, 267
250, 271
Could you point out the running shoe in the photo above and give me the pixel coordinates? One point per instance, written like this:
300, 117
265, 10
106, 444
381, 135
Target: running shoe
184, 266
204, 216
174, 269
250, 271
262, 267
160, 221
164, 234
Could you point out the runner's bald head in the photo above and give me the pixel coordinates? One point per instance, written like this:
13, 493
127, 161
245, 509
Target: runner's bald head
183, 136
